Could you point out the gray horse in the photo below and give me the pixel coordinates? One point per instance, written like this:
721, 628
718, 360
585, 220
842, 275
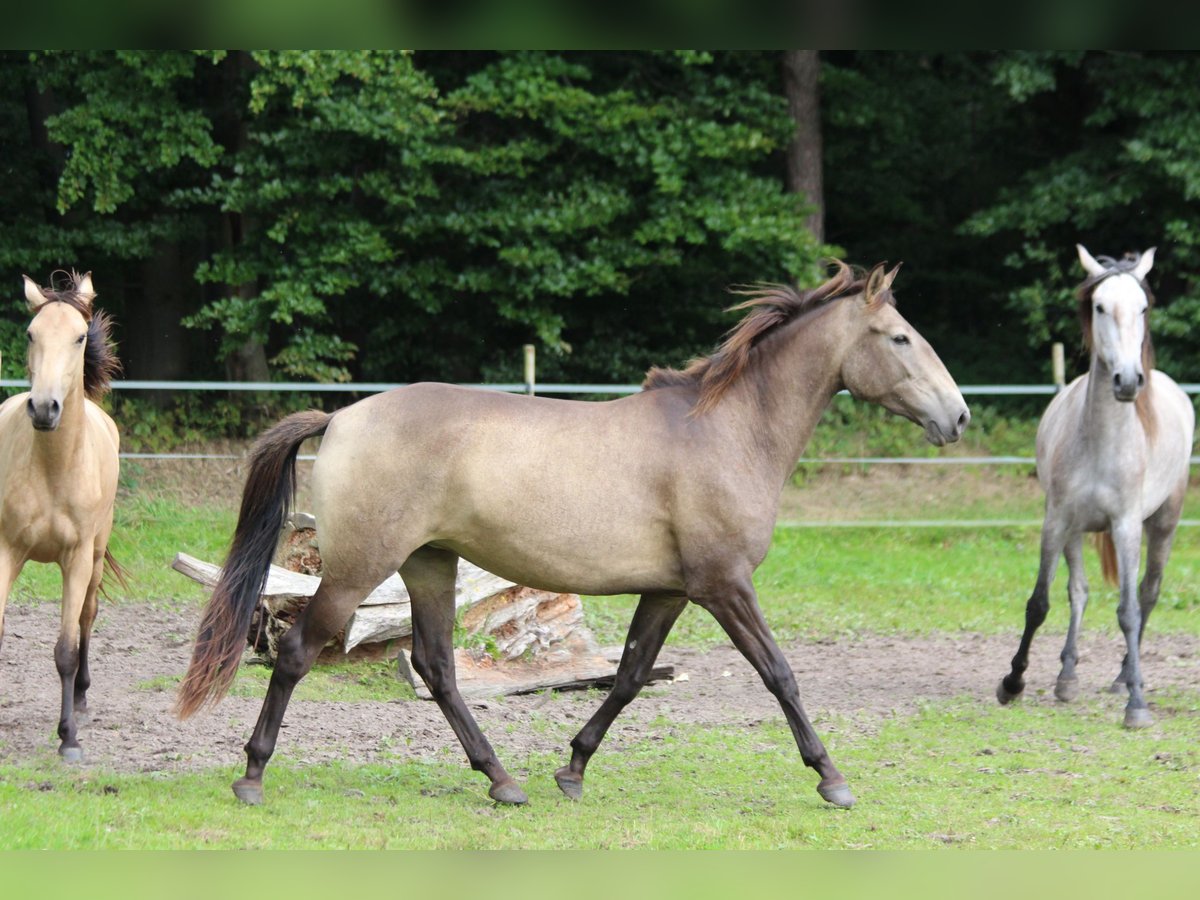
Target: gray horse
671, 493
1113, 451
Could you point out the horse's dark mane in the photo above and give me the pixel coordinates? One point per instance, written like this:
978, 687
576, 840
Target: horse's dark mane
771, 307
1084, 293
100, 362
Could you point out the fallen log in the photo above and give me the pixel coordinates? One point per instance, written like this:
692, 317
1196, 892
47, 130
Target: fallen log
526, 639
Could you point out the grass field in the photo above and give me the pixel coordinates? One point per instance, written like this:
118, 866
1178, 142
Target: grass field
959, 773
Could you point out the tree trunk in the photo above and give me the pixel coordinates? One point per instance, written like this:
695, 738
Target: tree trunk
801, 83
155, 343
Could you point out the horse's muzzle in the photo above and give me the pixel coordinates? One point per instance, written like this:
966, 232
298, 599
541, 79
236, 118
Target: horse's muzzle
45, 415
941, 434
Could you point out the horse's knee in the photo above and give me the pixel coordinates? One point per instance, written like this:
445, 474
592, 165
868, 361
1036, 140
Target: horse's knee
66, 657
1036, 609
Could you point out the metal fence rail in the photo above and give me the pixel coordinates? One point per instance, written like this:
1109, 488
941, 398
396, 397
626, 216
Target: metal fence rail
376, 387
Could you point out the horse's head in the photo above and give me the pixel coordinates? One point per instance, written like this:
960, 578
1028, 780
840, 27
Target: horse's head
1113, 302
58, 338
889, 363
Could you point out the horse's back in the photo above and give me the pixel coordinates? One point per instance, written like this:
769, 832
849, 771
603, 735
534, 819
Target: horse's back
513, 483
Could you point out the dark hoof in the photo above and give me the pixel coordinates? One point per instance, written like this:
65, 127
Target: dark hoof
71, 755
569, 783
1006, 696
1067, 689
837, 793
1138, 718
249, 792
508, 792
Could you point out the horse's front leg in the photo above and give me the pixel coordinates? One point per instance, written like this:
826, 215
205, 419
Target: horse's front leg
77, 572
1053, 538
734, 605
1127, 539
87, 617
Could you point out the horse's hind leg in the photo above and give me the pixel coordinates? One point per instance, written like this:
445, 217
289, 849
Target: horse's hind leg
299, 648
1053, 538
651, 623
429, 575
734, 605
1067, 686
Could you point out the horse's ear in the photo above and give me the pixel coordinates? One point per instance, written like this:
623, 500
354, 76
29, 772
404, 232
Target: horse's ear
1088, 262
84, 288
890, 277
33, 293
1142, 269
875, 283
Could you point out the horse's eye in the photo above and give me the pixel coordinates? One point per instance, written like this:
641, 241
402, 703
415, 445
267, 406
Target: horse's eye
81, 339
29, 336
1099, 309
1144, 308
900, 339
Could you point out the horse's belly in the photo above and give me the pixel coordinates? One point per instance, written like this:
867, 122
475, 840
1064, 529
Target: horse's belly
584, 564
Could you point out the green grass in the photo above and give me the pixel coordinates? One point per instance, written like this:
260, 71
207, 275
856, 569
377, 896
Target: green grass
964, 773
817, 584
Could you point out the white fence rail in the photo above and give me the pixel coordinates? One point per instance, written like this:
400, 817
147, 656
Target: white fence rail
375, 387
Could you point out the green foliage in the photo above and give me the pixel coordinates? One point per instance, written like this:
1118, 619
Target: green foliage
1125, 176
398, 216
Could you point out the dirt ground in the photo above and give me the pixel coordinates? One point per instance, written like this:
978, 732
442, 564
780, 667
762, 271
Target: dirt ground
846, 685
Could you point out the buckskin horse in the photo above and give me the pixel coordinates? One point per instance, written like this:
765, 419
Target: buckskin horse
671, 493
58, 475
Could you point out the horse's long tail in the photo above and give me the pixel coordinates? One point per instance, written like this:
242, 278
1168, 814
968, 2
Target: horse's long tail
266, 499
1108, 556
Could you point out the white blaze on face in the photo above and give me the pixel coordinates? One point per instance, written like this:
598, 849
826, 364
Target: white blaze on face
1119, 307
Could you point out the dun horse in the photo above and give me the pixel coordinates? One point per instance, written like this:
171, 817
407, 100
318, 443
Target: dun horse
1112, 456
671, 494
58, 475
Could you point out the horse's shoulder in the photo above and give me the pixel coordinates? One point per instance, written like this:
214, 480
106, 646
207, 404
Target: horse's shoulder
102, 422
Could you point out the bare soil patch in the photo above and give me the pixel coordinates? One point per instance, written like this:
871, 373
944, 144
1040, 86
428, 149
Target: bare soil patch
847, 685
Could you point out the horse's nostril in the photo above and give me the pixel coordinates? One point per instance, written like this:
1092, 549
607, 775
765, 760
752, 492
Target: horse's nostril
964, 419
1116, 379
1141, 379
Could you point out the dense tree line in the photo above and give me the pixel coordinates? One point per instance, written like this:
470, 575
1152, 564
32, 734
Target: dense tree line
401, 216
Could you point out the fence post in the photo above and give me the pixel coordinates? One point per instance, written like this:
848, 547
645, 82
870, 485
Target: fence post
1058, 366
530, 366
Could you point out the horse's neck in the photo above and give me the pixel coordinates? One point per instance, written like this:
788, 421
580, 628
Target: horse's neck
61, 448
787, 387
1107, 422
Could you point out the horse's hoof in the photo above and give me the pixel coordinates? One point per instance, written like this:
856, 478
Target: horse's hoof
248, 791
1066, 689
71, 755
508, 792
569, 783
1004, 695
837, 793
1138, 718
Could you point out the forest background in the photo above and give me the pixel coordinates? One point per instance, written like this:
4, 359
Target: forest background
395, 216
